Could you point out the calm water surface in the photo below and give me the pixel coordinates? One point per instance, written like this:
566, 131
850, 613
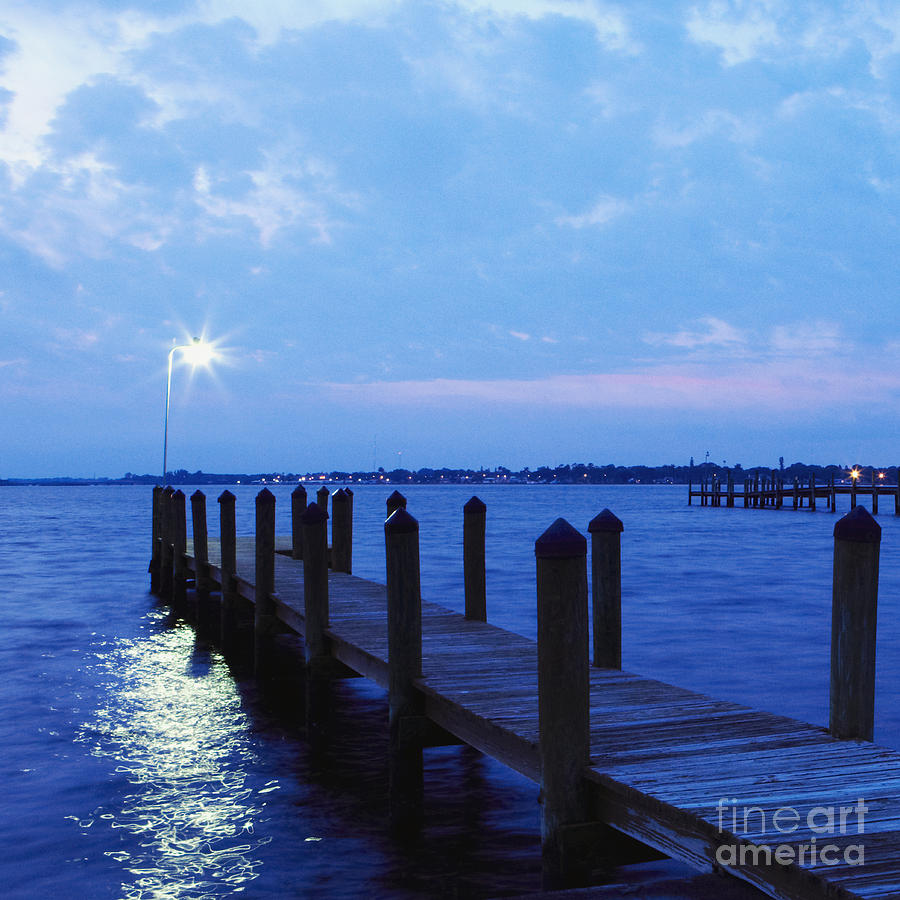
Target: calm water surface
135, 764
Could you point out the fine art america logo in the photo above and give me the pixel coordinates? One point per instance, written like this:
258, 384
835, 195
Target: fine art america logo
822, 823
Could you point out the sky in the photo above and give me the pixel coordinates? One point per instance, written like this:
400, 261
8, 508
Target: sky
459, 233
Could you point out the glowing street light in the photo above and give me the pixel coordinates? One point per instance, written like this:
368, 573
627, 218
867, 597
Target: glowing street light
197, 353
855, 473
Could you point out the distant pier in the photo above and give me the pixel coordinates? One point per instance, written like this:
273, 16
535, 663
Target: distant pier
624, 762
778, 493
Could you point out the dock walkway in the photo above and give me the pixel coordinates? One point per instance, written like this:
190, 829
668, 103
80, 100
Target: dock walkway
709, 782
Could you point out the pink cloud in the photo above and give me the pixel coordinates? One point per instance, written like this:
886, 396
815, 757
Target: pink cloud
796, 385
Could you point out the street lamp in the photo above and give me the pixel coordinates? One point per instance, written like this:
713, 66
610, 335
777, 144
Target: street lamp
197, 353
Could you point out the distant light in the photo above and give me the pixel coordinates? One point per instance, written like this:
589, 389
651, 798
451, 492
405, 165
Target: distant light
881, 474
854, 474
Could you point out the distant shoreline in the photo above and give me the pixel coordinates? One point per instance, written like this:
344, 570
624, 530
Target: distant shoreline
578, 473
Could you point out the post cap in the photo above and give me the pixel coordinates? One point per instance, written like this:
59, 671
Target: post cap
560, 541
226, 497
198, 495
339, 494
168, 489
859, 526
348, 492
313, 515
400, 522
605, 521
265, 496
474, 505
179, 494
299, 491
397, 499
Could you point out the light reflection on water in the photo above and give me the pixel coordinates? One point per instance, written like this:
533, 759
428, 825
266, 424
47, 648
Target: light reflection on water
173, 724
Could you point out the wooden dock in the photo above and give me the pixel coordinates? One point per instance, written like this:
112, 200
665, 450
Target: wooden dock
796, 810
776, 493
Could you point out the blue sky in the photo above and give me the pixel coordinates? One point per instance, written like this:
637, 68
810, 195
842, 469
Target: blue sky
476, 232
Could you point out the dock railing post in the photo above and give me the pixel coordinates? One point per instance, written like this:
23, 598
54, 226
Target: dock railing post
563, 695
265, 620
156, 541
857, 540
730, 490
474, 522
606, 589
228, 552
690, 493
166, 519
746, 493
201, 553
853, 492
812, 492
315, 607
401, 533
394, 502
322, 495
874, 494
298, 507
179, 547
341, 532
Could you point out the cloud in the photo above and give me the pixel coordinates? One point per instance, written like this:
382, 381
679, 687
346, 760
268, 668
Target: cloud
709, 123
521, 335
806, 338
741, 30
604, 210
716, 333
787, 386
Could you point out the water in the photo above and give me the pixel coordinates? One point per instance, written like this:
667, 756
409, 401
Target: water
136, 765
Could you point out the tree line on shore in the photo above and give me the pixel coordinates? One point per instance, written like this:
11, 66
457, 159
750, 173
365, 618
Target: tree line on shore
579, 473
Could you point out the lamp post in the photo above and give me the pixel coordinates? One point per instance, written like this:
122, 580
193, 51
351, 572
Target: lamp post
198, 352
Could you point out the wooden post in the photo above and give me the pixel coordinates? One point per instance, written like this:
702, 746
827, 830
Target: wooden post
315, 580
322, 499
563, 694
812, 492
401, 534
730, 490
756, 491
298, 507
228, 545
857, 540
266, 623
156, 540
394, 502
606, 589
796, 491
165, 543
853, 493
315, 606
874, 494
897, 494
341, 532
179, 547
690, 494
201, 557
746, 493
474, 522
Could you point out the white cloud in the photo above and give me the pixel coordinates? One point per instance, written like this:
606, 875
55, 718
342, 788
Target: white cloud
711, 122
715, 333
741, 29
520, 335
806, 338
604, 210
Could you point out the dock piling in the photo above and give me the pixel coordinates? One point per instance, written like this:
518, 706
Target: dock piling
404, 604
341, 532
857, 540
165, 546
563, 696
394, 502
266, 622
228, 544
179, 547
322, 495
606, 589
298, 507
155, 565
474, 522
315, 608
